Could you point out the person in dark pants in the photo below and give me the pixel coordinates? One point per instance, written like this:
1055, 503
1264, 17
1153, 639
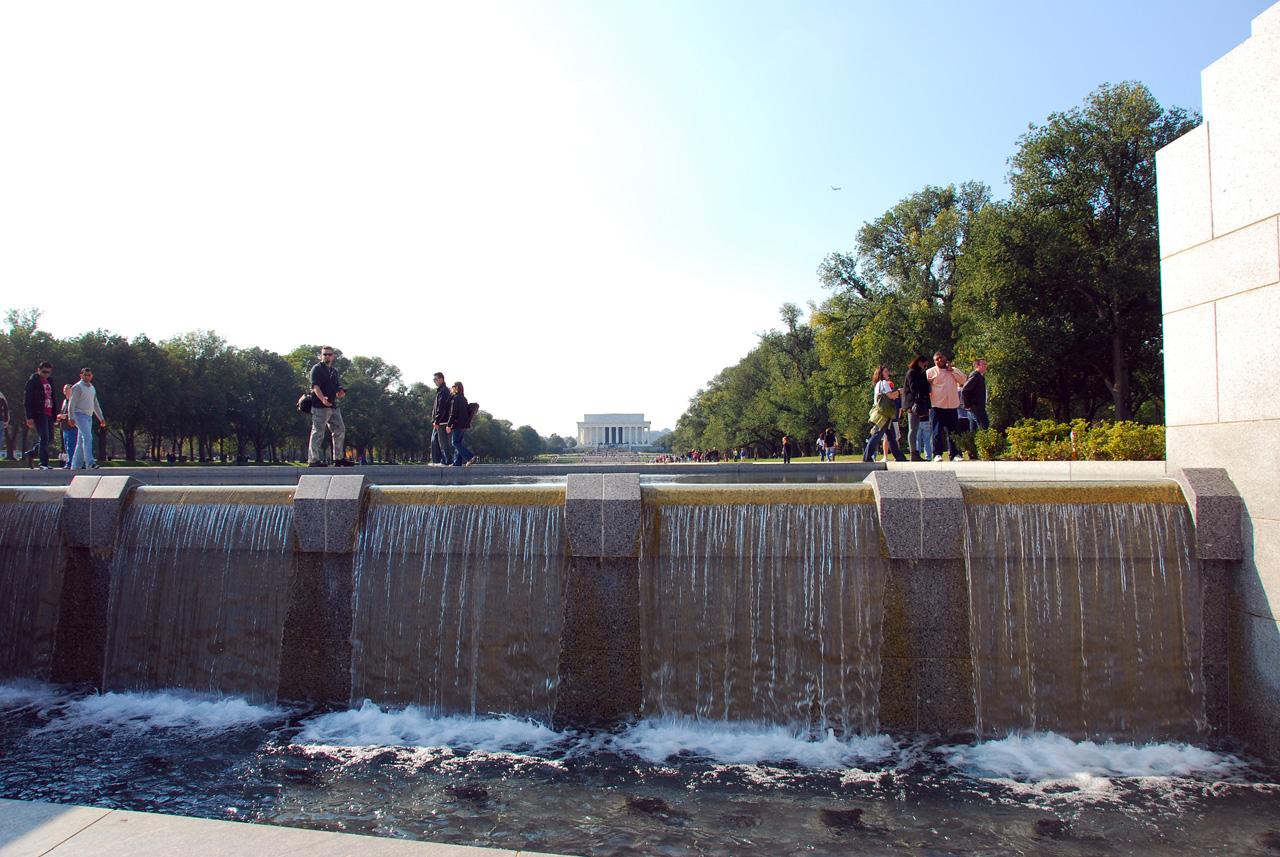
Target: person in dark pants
786, 449
973, 395
441, 440
38, 401
457, 425
945, 382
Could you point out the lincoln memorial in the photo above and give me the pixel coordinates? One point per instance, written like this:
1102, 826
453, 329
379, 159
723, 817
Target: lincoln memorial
613, 430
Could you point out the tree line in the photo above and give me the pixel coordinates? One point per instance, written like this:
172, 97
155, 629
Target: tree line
1058, 287
197, 398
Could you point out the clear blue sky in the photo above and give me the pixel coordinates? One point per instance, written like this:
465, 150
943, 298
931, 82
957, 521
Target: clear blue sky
573, 207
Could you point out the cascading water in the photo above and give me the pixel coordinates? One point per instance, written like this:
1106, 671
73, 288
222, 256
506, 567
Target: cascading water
764, 613
31, 558
1085, 619
459, 607
198, 592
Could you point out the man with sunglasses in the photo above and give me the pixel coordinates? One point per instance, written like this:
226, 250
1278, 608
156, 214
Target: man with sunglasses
38, 401
327, 389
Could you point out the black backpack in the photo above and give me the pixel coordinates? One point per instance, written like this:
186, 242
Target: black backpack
472, 409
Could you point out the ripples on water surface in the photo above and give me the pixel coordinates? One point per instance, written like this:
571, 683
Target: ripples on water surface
659, 787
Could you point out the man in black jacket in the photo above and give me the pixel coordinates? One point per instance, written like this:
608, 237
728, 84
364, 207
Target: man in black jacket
39, 401
441, 440
973, 395
327, 388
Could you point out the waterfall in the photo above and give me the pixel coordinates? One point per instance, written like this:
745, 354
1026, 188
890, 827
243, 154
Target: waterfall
198, 595
458, 607
765, 613
1085, 619
31, 573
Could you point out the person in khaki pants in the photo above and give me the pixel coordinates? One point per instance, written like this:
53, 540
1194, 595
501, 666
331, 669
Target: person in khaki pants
326, 387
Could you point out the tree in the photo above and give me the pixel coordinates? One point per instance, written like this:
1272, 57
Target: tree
1077, 241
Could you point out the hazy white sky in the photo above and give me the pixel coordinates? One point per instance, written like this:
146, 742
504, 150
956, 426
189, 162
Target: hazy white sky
571, 206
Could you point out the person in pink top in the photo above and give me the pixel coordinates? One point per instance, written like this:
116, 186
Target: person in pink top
945, 382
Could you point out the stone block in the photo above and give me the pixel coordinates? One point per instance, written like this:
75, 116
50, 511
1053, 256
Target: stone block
1241, 97
941, 514
597, 687
106, 507
1267, 22
1215, 579
342, 512
315, 662
1257, 586
1216, 508
584, 514
80, 643
897, 494
1255, 683
601, 605
620, 511
1183, 202
1191, 367
935, 616
945, 700
1248, 451
1248, 258
1246, 341
308, 511
32, 829
898, 692
75, 510
1216, 697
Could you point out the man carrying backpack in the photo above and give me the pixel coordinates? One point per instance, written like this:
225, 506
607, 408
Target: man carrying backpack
327, 389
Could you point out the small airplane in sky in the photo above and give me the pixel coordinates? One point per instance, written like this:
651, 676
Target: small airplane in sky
833, 187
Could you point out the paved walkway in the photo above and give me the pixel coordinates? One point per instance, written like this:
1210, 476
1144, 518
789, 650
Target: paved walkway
30, 829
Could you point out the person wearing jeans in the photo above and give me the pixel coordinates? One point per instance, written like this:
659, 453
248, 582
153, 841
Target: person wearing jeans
459, 422
83, 406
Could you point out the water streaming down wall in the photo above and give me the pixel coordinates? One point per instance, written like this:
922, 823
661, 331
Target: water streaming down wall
763, 612
31, 575
198, 591
459, 605
1085, 618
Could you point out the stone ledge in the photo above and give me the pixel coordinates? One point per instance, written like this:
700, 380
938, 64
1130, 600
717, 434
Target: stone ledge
1216, 508
92, 507
921, 513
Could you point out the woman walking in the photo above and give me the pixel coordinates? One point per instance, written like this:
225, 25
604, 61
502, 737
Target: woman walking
884, 410
915, 400
459, 422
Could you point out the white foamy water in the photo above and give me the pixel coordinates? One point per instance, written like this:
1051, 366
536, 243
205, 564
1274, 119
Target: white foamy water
146, 711
22, 694
658, 740
1047, 756
370, 726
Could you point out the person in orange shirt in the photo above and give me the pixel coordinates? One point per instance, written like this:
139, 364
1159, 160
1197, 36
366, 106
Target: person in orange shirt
945, 382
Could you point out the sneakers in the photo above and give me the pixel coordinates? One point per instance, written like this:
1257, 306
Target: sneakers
937, 459
45, 467
344, 462
316, 464
470, 461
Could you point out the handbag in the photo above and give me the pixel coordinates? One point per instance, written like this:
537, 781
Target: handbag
306, 401
882, 411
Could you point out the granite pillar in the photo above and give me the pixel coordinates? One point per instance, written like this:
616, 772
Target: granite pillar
927, 670
315, 661
600, 641
91, 513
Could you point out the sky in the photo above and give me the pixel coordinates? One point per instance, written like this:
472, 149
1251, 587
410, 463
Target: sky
572, 207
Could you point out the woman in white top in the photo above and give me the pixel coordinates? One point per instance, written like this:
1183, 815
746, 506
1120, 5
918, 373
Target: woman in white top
888, 431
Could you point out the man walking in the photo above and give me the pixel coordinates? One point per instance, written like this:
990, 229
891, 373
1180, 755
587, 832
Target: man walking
327, 389
82, 407
441, 440
39, 406
973, 396
944, 400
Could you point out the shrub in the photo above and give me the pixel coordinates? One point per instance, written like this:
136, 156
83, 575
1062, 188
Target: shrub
1046, 440
989, 443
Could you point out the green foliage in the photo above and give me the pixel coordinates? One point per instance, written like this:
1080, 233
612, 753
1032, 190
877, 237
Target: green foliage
989, 443
1047, 440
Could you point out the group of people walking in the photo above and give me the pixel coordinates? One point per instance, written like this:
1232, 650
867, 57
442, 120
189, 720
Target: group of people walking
73, 413
934, 398
451, 415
